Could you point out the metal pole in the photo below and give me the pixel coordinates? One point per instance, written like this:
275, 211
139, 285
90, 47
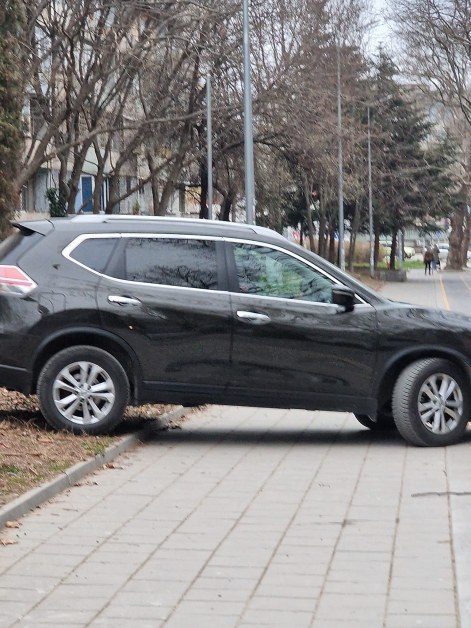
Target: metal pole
248, 128
370, 200
340, 182
210, 146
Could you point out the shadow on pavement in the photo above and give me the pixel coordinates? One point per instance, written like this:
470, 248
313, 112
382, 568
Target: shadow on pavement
277, 437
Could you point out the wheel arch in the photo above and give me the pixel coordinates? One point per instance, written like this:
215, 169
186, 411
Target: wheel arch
98, 338
385, 384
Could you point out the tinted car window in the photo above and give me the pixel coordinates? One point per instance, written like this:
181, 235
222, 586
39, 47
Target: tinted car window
272, 273
94, 252
181, 262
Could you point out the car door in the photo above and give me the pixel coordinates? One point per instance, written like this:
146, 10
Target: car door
162, 296
292, 346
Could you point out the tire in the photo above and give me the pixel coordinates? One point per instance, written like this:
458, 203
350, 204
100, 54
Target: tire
85, 410
431, 403
382, 423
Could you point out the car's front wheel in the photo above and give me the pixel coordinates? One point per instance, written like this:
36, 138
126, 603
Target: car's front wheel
83, 390
431, 403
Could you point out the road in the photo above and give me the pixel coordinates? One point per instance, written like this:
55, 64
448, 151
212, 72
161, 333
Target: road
253, 517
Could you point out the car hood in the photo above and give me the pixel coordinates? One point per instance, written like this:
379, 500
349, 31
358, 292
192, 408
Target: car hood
422, 327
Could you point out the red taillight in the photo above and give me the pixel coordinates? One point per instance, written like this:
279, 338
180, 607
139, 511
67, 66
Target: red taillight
15, 281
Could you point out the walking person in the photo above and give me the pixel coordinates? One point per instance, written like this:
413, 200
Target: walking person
428, 259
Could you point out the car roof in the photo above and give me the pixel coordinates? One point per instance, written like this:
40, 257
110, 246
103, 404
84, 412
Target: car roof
109, 223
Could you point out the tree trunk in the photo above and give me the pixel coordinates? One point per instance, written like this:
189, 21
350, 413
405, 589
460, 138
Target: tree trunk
393, 254
454, 261
353, 236
376, 243
332, 256
226, 205
204, 209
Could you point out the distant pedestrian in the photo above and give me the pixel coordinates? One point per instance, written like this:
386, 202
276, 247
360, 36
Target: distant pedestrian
428, 259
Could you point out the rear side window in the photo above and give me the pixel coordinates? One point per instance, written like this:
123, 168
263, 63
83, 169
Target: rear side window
188, 263
94, 253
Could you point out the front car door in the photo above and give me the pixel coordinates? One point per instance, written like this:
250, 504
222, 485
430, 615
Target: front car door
292, 346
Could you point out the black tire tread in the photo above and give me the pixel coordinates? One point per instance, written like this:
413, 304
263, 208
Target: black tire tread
73, 354
402, 404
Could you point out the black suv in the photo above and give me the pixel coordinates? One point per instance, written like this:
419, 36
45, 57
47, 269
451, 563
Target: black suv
98, 312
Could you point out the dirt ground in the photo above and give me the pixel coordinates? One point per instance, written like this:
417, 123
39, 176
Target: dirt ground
31, 453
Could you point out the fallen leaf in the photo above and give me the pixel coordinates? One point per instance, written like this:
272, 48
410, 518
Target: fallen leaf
12, 524
8, 542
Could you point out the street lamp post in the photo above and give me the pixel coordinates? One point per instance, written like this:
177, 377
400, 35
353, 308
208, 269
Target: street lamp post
370, 200
248, 129
340, 159
210, 146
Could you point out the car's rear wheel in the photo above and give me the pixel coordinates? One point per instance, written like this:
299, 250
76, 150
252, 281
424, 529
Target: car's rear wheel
380, 423
431, 403
83, 390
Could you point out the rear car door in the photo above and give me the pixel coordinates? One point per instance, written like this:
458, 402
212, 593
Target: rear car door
162, 295
292, 346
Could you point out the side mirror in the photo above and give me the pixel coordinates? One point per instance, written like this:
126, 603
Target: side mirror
345, 297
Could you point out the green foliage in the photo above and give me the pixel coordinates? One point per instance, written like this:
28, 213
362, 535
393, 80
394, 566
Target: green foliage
57, 203
11, 100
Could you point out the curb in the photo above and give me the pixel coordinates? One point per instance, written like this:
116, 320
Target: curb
37, 496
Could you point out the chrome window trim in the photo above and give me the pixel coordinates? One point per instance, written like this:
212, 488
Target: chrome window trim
67, 251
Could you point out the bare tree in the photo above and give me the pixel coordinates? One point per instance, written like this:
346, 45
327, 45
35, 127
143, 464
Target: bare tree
436, 44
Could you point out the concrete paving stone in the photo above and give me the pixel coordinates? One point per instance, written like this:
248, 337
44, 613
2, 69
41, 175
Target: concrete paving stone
58, 600
421, 621
20, 595
39, 583
100, 622
435, 581
134, 614
88, 577
228, 571
282, 603
409, 594
372, 588
343, 607
12, 611
337, 623
185, 620
58, 617
273, 578
198, 594
216, 608
425, 603
300, 590
26, 567
422, 571
357, 577
280, 619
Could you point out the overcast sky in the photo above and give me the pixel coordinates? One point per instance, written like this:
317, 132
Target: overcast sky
381, 33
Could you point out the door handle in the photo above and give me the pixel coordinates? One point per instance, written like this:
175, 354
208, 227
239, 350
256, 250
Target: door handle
253, 317
120, 300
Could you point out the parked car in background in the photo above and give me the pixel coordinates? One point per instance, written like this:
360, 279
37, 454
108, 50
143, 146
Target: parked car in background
98, 312
409, 251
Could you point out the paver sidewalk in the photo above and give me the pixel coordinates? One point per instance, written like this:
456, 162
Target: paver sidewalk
252, 517
246, 518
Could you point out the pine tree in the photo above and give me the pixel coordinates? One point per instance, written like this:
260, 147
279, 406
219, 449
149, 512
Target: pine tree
411, 179
11, 100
